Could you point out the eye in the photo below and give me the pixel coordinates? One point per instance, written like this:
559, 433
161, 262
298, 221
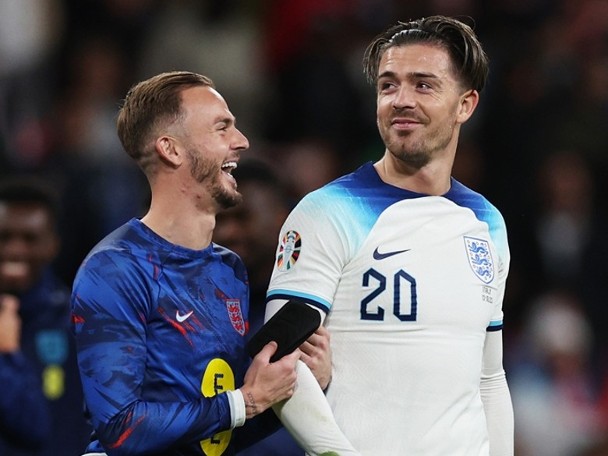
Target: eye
384, 86
424, 85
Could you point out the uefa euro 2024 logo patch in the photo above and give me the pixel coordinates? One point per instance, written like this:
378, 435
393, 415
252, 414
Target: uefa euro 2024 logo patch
289, 250
480, 258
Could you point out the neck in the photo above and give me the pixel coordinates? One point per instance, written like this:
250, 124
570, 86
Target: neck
181, 219
195, 235
431, 179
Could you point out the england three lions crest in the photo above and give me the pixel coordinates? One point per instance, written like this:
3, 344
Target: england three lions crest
236, 315
480, 258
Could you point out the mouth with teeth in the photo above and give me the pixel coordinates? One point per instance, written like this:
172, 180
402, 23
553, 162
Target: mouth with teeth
228, 167
14, 273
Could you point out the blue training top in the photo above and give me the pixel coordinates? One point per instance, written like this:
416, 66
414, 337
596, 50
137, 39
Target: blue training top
160, 333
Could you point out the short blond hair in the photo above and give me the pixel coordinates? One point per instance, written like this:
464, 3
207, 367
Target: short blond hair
148, 105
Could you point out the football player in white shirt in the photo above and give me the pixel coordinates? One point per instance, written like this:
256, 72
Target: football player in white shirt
407, 267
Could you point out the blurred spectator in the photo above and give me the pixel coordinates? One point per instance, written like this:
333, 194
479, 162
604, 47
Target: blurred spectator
554, 399
101, 187
470, 165
603, 405
219, 38
38, 369
564, 217
126, 21
558, 240
251, 229
314, 93
598, 449
30, 35
567, 245
308, 164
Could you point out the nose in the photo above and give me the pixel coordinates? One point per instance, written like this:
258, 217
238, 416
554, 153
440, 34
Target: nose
240, 141
404, 98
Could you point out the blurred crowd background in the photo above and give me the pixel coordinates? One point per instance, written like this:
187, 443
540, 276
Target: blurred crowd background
291, 73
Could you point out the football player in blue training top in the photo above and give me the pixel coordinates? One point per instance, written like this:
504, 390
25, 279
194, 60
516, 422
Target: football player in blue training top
159, 310
407, 265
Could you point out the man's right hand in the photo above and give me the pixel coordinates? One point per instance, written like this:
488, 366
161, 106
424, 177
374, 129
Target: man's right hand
267, 383
10, 324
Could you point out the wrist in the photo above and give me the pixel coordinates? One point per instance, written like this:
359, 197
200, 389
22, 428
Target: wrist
251, 408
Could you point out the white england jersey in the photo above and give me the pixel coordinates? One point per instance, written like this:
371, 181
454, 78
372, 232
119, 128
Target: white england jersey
411, 284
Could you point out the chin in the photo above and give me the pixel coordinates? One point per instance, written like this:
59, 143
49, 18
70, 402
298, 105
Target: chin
226, 200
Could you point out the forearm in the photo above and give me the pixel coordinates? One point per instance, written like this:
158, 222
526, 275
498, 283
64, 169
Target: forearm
496, 398
499, 415
308, 417
152, 426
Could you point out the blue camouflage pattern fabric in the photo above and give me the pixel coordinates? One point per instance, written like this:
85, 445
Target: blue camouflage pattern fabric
160, 333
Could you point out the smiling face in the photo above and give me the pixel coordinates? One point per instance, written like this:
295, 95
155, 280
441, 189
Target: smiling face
28, 243
420, 103
212, 143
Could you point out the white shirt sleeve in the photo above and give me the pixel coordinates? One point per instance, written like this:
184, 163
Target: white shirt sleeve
237, 408
497, 398
309, 419
307, 414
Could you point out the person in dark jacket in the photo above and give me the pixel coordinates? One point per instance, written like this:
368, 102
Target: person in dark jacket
41, 404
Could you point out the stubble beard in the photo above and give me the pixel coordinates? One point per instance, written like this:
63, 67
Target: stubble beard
412, 156
418, 153
207, 171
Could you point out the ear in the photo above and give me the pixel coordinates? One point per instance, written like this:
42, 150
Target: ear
169, 151
468, 103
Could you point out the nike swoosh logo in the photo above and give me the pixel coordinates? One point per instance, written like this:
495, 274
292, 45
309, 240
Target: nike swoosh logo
182, 318
381, 256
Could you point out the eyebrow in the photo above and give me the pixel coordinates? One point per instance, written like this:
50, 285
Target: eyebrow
422, 75
225, 119
411, 75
